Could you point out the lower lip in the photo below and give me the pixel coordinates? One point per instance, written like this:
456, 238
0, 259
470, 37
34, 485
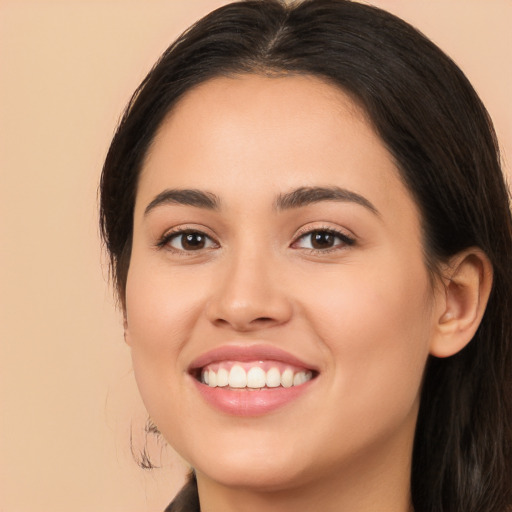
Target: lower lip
246, 402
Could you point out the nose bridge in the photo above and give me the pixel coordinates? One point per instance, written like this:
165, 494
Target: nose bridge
248, 294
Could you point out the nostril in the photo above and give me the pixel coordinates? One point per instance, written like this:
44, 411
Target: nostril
260, 322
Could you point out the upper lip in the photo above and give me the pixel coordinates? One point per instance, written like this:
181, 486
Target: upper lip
246, 353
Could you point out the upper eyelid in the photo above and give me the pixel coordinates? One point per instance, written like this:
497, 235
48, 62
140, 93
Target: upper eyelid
307, 229
188, 228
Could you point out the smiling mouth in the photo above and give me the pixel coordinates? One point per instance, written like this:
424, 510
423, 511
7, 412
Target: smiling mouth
255, 375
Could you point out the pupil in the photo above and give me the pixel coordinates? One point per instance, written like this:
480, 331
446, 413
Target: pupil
322, 239
193, 241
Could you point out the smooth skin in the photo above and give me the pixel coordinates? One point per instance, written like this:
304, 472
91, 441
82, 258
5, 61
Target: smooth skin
360, 306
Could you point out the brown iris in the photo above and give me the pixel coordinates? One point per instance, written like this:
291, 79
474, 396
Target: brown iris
193, 241
322, 239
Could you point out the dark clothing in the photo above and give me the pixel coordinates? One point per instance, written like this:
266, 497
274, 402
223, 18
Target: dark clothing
187, 500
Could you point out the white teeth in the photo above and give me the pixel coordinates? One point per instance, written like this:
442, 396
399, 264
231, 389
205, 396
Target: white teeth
237, 377
222, 378
298, 379
273, 378
255, 378
287, 378
212, 379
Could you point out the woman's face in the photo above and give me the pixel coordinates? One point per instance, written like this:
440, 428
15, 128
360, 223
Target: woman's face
275, 247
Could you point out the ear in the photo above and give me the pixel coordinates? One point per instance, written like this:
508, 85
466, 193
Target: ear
465, 290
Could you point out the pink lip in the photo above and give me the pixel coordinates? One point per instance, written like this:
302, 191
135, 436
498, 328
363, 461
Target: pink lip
246, 353
245, 402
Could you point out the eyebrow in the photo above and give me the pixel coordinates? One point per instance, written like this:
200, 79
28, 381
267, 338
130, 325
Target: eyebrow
187, 197
304, 196
297, 198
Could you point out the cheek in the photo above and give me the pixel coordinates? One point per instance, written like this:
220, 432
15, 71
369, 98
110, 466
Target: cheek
160, 309
161, 312
376, 326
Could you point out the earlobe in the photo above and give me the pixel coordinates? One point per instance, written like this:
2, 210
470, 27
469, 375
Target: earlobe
467, 285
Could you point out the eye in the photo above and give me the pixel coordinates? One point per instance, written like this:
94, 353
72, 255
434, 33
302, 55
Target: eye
322, 240
187, 240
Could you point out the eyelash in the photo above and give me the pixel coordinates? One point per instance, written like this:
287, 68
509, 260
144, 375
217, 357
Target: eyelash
345, 239
168, 237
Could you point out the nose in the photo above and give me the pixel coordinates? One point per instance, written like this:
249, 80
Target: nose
249, 296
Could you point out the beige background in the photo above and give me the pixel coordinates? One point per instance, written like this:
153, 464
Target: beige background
67, 397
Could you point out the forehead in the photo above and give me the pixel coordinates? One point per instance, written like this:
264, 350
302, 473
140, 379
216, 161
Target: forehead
243, 108
266, 135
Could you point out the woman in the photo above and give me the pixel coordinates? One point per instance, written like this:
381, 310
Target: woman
310, 236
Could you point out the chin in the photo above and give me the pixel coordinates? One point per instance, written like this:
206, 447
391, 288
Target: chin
249, 475
265, 468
